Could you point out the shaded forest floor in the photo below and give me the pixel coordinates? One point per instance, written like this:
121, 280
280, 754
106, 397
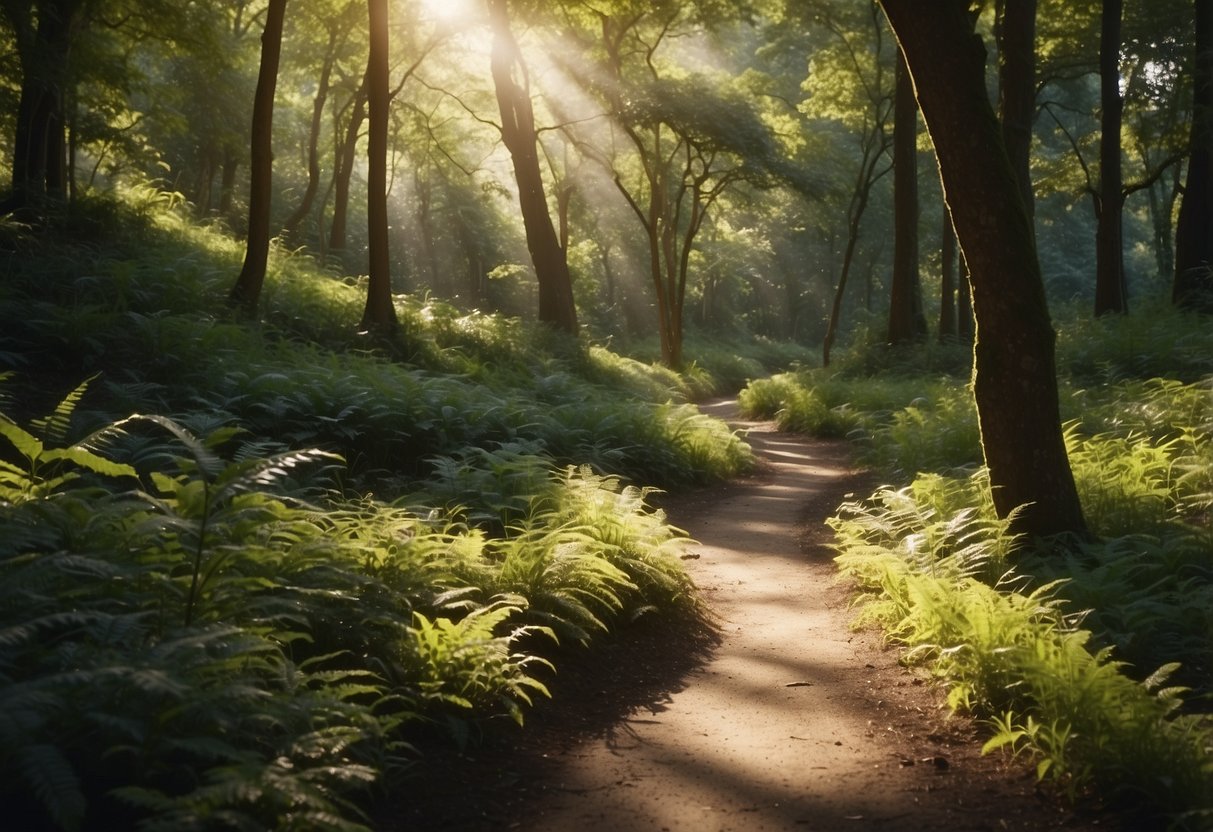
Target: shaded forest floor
775, 715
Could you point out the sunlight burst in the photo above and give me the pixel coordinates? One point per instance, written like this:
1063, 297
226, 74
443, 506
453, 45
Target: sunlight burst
446, 12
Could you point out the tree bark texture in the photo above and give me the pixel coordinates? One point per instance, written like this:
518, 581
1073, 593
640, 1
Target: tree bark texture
556, 306
1017, 90
380, 313
40, 143
1193, 286
964, 301
947, 281
247, 291
1111, 289
1014, 381
907, 322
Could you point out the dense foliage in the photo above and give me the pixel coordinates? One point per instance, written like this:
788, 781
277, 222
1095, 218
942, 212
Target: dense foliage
1095, 657
246, 568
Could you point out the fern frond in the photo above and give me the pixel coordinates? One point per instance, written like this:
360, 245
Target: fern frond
51, 778
55, 426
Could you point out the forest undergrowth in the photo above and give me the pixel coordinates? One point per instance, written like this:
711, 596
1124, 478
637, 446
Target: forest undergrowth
252, 571
1095, 658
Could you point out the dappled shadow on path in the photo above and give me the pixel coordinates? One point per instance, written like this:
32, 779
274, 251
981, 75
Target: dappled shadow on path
775, 717
598, 695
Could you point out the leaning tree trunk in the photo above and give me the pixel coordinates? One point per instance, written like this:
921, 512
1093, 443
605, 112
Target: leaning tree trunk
1193, 286
1014, 381
556, 306
380, 312
1111, 290
247, 291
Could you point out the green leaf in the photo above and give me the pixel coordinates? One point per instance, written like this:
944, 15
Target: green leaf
25, 442
55, 426
93, 462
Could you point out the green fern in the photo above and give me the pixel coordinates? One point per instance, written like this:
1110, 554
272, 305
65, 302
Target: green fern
38, 471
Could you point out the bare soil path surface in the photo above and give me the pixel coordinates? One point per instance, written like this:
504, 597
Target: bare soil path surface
781, 717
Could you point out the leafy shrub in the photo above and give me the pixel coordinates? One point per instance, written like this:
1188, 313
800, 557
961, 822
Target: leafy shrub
1017, 656
211, 646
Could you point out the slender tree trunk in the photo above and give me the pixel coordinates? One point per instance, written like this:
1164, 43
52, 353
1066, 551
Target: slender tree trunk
907, 323
848, 258
247, 291
313, 143
380, 312
556, 306
1014, 380
1193, 286
947, 282
1017, 90
347, 155
204, 182
1111, 291
1163, 196
866, 177
227, 186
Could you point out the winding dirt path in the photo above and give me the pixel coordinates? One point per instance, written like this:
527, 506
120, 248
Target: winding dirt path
783, 718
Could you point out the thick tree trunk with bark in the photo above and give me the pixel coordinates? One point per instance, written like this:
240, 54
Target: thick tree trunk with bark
1193, 286
247, 291
1111, 289
556, 306
1014, 382
1017, 90
380, 312
947, 282
907, 322
40, 141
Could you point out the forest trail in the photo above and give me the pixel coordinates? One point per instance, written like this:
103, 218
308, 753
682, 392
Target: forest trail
783, 719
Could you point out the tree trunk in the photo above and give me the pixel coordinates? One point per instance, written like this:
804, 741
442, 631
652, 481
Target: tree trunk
947, 282
1161, 197
1014, 381
1111, 290
1193, 286
39, 144
907, 322
227, 187
380, 313
556, 306
247, 291
1017, 90
344, 170
848, 258
313, 144
867, 176
964, 302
